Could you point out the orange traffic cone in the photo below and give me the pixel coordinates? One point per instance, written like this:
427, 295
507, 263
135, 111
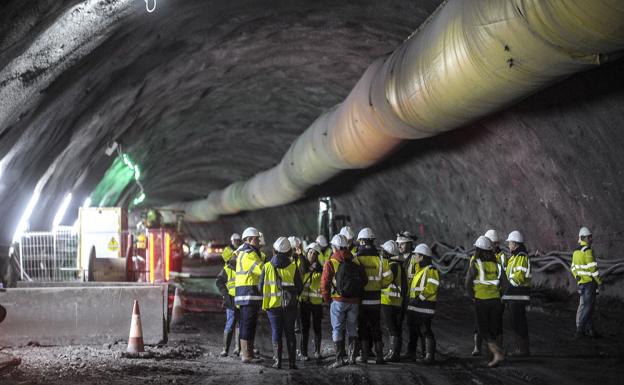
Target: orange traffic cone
135, 340
177, 313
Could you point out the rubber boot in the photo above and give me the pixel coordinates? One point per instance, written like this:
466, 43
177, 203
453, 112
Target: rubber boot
292, 353
352, 350
497, 352
303, 348
478, 341
522, 348
317, 346
277, 355
411, 351
393, 353
390, 354
227, 341
237, 348
252, 353
344, 338
364, 349
430, 347
379, 359
339, 346
245, 357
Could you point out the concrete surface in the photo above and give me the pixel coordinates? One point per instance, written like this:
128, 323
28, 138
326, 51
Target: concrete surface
80, 315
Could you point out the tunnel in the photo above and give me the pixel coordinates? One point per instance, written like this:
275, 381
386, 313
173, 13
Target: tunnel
443, 118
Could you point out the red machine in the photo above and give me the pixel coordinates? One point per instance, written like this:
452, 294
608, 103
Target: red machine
158, 253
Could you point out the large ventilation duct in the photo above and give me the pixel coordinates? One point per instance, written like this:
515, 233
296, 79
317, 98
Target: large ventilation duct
469, 59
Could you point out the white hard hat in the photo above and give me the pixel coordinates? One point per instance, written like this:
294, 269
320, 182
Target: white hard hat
347, 232
404, 237
366, 233
584, 232
261, 239
282, 245
423, 249
483, 243
391, 247
251, 232
339, 241
321, 241
515, 236
294, 241
235, 237
492, 235
313, 246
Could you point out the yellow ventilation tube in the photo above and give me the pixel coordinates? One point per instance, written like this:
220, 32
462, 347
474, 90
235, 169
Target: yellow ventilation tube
469, 59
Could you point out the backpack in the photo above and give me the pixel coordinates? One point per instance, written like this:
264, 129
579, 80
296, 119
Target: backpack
349, 282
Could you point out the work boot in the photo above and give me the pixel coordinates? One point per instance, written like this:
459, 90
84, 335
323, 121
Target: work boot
236, 351
352, 350
364, 349
522, 348
497, 352
245, 357
478, 342
317, 346
411, 351
339, 346
227, 341
303, 348
430, 347
292, 353
379, 359
277, 355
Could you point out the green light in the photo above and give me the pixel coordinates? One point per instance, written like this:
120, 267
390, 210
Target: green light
138, 199
137, 172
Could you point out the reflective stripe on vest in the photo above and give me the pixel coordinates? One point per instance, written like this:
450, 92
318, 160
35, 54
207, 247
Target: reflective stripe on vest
312, 288
231, 282
391, 295
486, 287
482, 280
421, 310
271, 291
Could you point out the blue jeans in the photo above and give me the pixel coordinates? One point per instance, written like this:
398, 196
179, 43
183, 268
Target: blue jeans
343, 314
230, 320
586, 307
282, 322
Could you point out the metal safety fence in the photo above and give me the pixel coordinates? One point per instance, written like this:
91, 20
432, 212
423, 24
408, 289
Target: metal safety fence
49, 256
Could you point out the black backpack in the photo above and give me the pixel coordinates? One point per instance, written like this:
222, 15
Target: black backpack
349, 282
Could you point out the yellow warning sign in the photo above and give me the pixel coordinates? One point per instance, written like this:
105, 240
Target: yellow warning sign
113, 245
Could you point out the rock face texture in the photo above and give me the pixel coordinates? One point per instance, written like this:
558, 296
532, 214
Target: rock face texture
204, 93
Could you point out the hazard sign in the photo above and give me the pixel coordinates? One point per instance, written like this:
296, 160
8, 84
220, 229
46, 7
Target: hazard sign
113, 245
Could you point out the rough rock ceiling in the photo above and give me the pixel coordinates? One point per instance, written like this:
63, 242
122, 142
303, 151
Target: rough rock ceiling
204, 93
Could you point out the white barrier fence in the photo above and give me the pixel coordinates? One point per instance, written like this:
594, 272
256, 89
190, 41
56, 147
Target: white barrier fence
49, 256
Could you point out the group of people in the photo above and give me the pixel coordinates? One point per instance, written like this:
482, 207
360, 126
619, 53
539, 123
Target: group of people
363, 284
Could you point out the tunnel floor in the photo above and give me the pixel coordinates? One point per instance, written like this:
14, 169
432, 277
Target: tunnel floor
191, 355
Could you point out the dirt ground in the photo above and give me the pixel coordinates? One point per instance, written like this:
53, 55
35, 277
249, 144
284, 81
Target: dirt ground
191, 355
